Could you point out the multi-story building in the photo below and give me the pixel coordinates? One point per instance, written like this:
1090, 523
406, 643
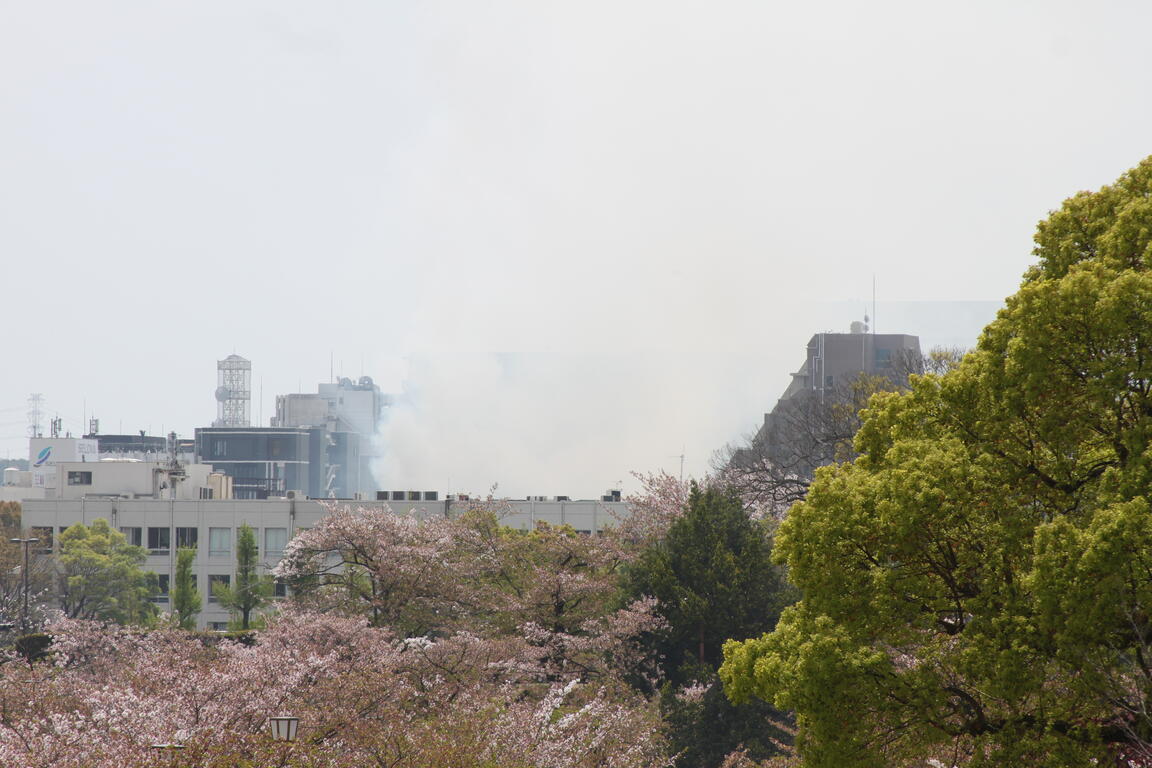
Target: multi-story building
816, 414
351, 412
265, 462
162, 508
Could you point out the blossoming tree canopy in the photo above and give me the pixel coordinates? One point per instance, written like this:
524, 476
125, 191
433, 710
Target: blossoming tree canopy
363, 697
976, 585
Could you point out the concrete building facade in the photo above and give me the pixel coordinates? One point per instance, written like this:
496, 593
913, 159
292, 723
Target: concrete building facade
801, 431
162, 507
351, 413
163, 525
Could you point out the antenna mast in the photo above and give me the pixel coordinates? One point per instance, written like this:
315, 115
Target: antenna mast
34, 402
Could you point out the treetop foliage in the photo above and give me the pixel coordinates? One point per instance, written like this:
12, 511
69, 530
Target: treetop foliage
976, 584
101, 577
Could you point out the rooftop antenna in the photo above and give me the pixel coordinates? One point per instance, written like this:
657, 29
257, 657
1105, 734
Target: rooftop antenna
35, 400
873, 303
233, 392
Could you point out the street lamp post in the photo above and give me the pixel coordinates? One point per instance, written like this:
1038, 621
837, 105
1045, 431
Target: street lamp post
24, 582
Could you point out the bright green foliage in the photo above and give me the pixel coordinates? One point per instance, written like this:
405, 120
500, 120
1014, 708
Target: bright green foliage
101, 576
185, 596
978, 584
249, 590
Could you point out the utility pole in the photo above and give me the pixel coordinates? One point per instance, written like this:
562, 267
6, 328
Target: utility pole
24, 580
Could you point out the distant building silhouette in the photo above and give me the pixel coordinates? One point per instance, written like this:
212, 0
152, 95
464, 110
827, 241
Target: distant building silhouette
813, 422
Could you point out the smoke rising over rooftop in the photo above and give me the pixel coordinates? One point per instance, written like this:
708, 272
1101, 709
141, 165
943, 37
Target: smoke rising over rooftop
589, 237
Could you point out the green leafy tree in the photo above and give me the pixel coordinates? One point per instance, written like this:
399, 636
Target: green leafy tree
978, 583
714, 579
100, 575
186, 601
249, 590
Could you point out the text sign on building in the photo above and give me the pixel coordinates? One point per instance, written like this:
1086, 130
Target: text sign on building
44, 453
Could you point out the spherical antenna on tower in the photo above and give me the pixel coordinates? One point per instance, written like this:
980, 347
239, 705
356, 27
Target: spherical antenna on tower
233, 392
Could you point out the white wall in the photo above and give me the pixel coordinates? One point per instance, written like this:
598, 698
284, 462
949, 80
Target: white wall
262, 515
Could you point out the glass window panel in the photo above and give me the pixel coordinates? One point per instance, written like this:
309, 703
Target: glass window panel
187, 537
163, 581
159, 540
275, 539
219, 542
222, 579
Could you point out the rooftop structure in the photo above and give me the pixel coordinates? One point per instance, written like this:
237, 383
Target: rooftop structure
233, 392
815, 417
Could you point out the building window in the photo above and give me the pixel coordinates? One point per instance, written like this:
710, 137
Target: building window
79, 478
219, 542
132, 534
221, 579
162, 582
883, 358
205, 493
279, 589
218, 626
187, 537
44, 534
159, 541
275, 539
220, 448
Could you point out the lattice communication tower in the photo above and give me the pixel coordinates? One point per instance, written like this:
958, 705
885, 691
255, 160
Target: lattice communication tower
233, 392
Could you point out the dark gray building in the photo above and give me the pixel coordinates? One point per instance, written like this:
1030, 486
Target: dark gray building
813, 422
267, 462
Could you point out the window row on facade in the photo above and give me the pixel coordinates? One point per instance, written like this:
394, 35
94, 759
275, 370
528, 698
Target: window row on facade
159, 540
164, 583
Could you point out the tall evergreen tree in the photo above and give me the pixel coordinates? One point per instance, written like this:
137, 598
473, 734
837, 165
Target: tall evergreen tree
249, 590
186, 599
714, 580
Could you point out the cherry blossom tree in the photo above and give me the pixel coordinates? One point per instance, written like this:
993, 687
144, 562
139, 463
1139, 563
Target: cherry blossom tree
364, 697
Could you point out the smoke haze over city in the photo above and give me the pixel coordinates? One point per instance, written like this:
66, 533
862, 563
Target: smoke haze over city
574, 240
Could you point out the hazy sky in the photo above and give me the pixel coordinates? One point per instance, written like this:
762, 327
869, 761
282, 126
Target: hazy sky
585, 236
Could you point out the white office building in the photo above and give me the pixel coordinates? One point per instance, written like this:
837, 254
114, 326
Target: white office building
163, 508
